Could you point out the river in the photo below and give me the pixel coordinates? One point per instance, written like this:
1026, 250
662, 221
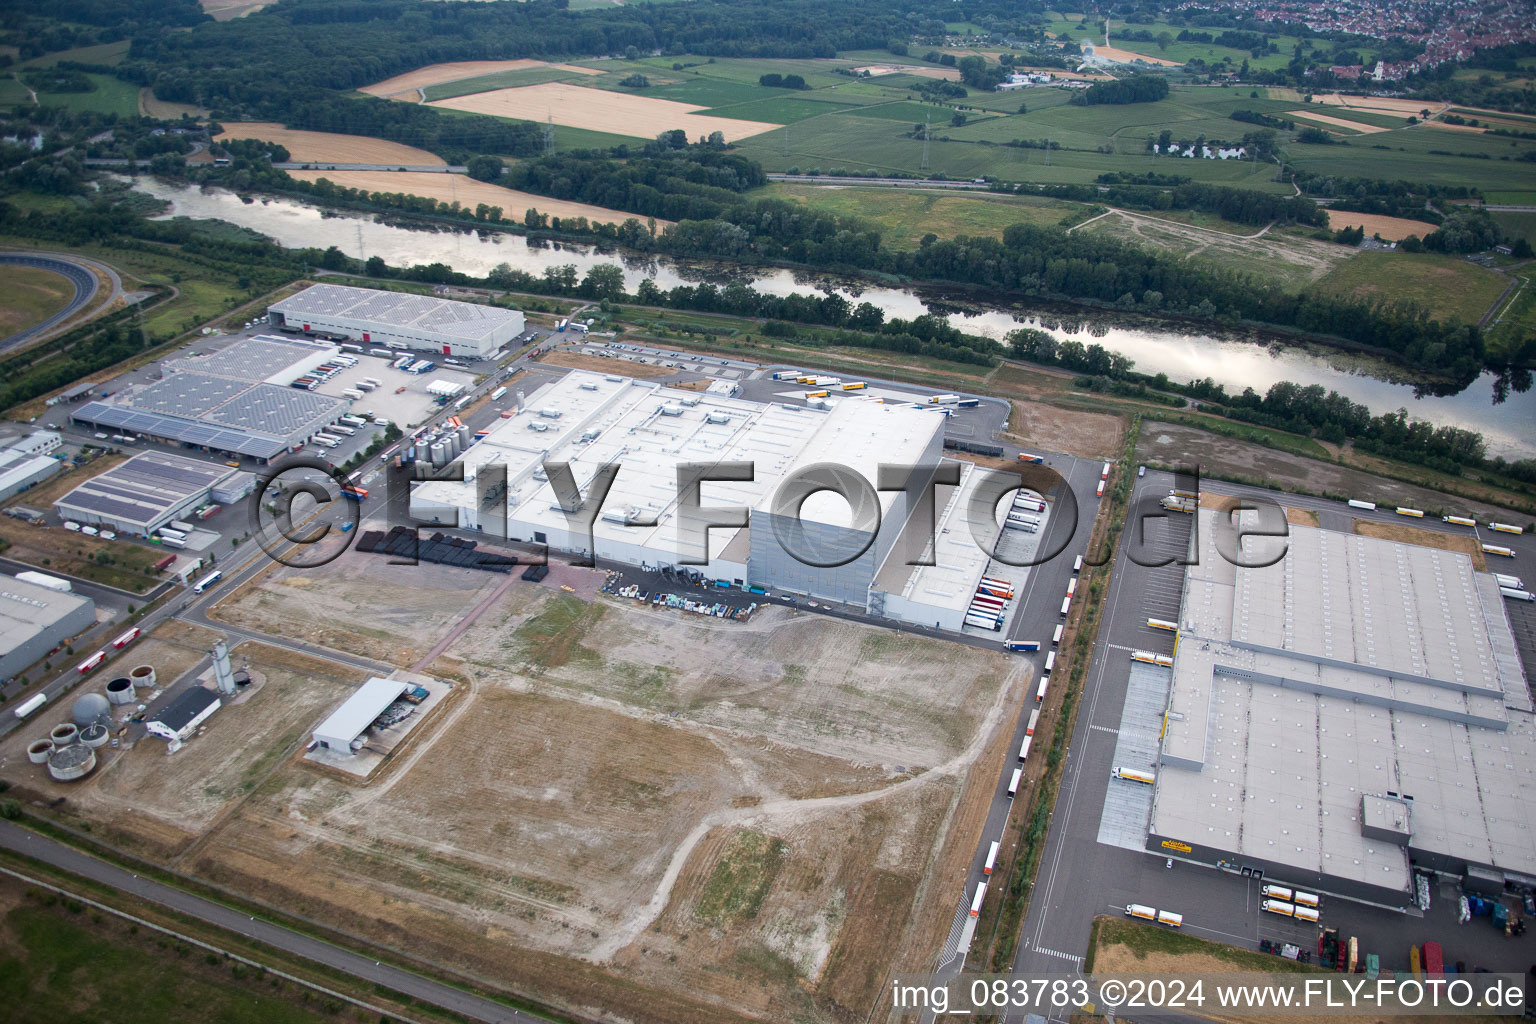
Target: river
1509, 428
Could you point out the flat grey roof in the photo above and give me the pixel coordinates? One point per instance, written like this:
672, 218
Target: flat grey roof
449, 317
358, 711
26, 609
143, 489
1353, 667
252, 359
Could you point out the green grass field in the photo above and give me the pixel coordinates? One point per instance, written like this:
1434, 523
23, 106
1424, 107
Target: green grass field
111, 96
904, 217
102, 53
56, 956
29, 296
1516, 320
1516, 225
1448, 287
780, 110
12, 92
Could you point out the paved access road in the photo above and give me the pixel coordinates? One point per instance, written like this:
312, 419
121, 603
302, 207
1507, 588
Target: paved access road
77, 275
295, 943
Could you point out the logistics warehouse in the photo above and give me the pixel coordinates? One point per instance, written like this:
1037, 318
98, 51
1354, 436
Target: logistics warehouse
1348, 715
647, 431
399, 320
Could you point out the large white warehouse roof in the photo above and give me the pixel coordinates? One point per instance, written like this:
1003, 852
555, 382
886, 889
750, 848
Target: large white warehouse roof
447, 317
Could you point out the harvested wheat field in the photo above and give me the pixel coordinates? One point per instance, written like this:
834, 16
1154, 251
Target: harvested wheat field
447, 188
1393, 229
596, 110
1126, 56
437, 74
1389, 104
1339, 122
329, 147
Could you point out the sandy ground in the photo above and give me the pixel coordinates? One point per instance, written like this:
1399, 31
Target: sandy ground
446, 188
1391, 228
1339, 122
306, 146
1115, 53
1390, 104
596, 110
1476, 129
437, 74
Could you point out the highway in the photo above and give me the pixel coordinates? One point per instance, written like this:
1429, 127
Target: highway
295, 943
85, 290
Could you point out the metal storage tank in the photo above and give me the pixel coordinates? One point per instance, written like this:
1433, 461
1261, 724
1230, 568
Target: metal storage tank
439, 454
89, 709
143, 676
94, 735
454, 448
39, 750
120, 691
466, 437
72, 762
64, 734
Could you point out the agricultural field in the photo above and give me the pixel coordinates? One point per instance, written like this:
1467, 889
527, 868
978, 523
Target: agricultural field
330, 147
598, 110
1393, 229
783, 791
228, 10
101, 53
467, 192
29, 295
1446, 286
1516, 318
407, 85
905, 216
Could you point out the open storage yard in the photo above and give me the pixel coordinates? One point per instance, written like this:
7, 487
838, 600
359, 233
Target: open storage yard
449, 188
329, 147
741, 819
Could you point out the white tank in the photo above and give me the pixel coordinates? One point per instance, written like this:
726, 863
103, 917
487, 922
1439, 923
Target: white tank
38, 751
72, 762
120, 691
64, 734
95, 735
143, 677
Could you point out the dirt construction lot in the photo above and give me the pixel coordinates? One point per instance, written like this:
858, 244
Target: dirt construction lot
329, 147
741, 820
448, 188
600, 111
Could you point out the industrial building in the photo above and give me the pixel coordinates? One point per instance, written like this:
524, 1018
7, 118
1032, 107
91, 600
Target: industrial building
400, 320
589, 419
234, 401
1345, 716
28, 461
143, 494
35, 619
179, 719
348, 722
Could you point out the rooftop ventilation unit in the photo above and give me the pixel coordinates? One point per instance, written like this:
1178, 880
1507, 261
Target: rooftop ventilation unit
671, 409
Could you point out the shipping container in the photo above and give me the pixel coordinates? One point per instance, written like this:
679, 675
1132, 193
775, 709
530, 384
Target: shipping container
1077, 564
1025, 503
182, 525
168, 533
943, 399
1071, 587
993, 581
855, 386
165, 563
1023, 645
981, 622
1104, 473
1099, 491
981, 894
1013, 783
986, 868
1163, 660
172, 542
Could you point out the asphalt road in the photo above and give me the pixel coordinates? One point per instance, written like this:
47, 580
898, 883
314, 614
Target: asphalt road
85, 290
828, 179
466, 1004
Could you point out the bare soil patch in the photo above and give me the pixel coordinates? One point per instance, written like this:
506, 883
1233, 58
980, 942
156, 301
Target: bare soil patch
149, 106
1391, 228
1094, 434
601, 111
1126, 56
920, 70
466, 191
330, 147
